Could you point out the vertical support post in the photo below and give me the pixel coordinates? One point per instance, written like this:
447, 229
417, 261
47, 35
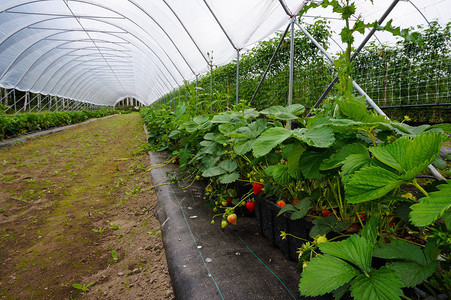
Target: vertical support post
290, 84
25, 104
237, 75
15, 104
211, 81
197, 76
39, 102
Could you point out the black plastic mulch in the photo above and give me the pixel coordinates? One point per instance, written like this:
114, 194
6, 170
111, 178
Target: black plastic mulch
206, 262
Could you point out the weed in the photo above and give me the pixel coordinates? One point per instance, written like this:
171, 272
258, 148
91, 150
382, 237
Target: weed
156, 232
122, 202
82, 287
112, 226
20, 198
136, 190
5, 235
100, 212
7, 178
126, 284
120, 182
99, 230
114, 255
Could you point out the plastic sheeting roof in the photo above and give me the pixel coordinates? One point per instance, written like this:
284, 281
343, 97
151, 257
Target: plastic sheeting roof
103, 51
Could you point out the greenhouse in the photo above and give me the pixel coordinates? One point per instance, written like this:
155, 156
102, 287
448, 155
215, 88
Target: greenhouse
201, 149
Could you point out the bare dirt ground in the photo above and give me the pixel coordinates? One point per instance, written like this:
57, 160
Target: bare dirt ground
77, 207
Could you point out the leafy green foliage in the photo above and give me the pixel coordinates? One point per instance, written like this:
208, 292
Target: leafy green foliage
383, 283
432, 207
285, 113
225, 170
353, 257
325, 273
408, 261
279, 173
13, 125
298, 211
407, 156
371, 183
325, 225
269, 139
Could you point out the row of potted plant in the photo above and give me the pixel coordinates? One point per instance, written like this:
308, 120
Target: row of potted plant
14, 125
339, 169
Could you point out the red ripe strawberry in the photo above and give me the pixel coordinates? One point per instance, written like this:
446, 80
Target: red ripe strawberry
281, 203
250, 206
325, 213
176, 160
232, 219
362, 217
229, 201
257, 187
392, 223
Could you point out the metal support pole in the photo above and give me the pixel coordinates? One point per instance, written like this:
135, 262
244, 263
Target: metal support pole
270, 63
290, 84
25, 102
237, 75
197, 76
15, 105
211, 82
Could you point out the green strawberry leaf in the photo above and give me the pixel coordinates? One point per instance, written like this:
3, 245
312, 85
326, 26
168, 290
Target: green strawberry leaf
279, 173
243, 147
391, 154
258, 127
413, 273
337, 159
379, 284
324, 274
284, 113
208, 162
214, 171
353, 163
369, 231
421, 152
309, 162
269, 140
293, 159
370, 183
226, 128
229, 178
401, 250
228, 165
320, 137
322, 226
433, 207
200, 119
355, 249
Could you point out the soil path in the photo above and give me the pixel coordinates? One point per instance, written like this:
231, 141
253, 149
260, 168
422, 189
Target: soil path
77, 207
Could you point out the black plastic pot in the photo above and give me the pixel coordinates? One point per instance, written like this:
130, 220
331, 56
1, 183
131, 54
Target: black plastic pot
270, 226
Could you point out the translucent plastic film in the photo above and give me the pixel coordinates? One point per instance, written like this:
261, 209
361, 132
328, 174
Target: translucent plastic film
103, 51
